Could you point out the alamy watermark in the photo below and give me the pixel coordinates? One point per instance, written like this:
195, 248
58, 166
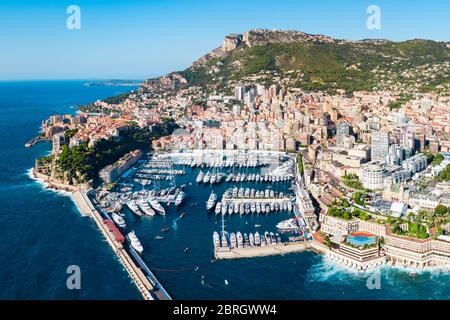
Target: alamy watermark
73, 22
374, 19
374, 281
74, 280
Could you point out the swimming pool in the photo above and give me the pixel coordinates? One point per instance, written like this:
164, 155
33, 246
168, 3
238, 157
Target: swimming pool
361, 239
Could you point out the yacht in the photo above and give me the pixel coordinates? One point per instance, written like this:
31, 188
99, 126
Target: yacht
211, 201
229, 178
288, 225
230, 209
146, 208
216, 239
251, 240
236, 208
224, 208
224, 241
180, 198
263, 208
241, 209
247, 208
277, 235
253, 207
207, 177
213, 178
267, 237
247, 193
118, 220
267, 193
135, 243
258, 207
235, 192
257, 239
134, 208
289, 205
240, 240
273, 239
233, 243
155, 205
272, 194
246, 241
219, 178
218, 208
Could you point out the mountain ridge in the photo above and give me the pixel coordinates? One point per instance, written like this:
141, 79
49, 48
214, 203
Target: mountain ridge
323, 63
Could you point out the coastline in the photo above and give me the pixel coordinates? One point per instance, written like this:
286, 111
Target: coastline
86, 208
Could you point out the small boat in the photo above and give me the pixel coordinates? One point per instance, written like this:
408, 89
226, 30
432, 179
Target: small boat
166, 229
159, 238
257, 226
182, 215
118, 220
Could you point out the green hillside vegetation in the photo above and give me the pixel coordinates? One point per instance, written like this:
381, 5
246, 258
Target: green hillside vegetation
324, 67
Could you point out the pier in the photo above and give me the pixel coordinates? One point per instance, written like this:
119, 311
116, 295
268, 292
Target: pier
144, 279
255, 252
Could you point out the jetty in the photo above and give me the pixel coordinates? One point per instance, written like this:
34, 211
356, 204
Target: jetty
144, 279
255, 252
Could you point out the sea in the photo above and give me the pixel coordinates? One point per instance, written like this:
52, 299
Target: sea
43, 233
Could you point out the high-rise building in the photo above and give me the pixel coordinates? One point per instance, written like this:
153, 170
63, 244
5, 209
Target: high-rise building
343, 130
239, 92
379, 146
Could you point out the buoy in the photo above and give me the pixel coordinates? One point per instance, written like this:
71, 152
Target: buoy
226, 282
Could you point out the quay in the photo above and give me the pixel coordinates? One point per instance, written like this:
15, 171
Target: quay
255, 252
145, 281
35, 140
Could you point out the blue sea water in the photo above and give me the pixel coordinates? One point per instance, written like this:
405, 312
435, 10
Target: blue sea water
43, 233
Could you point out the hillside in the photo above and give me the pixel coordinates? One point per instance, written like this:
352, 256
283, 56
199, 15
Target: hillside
316, 62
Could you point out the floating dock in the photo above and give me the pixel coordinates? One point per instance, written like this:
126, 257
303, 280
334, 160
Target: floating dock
255, 252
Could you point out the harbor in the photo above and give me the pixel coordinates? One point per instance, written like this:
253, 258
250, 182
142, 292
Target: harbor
174, 202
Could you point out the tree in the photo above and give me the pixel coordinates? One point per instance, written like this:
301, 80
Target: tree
440, 210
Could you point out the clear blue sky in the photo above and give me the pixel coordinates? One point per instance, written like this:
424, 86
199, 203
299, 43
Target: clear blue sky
141, 39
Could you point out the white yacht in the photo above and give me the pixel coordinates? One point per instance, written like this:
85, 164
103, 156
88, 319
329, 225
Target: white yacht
257, 239
233, 243
157, 206
200, 177
143, 205
218, 208
134, 208
119, 221
213, 178
288, 225
211, 201
180, 198
224, 208
216, 240
251, 240
207, 177
135, 243
240, 240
